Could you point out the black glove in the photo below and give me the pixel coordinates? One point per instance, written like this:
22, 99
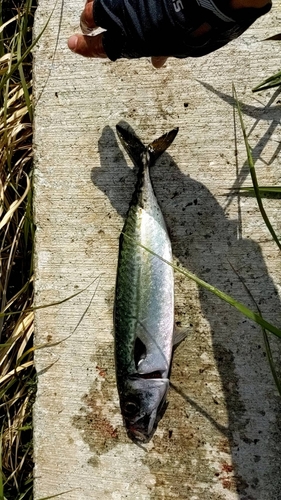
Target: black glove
178, 28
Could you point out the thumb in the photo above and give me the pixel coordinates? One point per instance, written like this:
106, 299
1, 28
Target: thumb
87, 46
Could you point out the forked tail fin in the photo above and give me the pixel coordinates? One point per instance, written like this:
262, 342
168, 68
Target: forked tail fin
157, 147
135, 148
132, 144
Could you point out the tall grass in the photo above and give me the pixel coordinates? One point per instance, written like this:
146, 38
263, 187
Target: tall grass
17, 375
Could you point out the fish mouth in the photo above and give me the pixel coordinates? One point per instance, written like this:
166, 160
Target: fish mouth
138, 436
143, 429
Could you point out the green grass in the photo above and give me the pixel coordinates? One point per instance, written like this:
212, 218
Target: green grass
258, 191
271, 191
273, 80
252, 170
270, 82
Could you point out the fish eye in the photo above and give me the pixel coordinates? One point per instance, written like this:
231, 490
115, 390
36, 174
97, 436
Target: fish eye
130, 408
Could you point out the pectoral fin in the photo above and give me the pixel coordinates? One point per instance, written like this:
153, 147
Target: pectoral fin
180, 336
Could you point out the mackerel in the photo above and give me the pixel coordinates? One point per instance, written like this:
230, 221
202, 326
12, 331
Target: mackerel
144, 298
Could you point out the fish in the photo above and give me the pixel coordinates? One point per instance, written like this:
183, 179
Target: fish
144, 298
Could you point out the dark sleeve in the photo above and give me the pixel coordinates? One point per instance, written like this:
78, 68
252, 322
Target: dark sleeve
144, 28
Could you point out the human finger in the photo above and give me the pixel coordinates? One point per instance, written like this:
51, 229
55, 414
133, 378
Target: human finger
87, 22
158, 61
87, 46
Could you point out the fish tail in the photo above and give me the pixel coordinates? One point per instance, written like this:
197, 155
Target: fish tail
132, 144
136, 149
157, 147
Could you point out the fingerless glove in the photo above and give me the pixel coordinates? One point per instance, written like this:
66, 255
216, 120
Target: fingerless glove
143, 28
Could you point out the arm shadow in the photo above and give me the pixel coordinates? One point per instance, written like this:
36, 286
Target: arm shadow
207, 243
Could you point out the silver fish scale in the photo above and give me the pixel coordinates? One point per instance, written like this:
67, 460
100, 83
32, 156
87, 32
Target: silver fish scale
144, 304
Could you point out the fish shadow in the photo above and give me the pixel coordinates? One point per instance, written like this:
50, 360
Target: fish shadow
207, 243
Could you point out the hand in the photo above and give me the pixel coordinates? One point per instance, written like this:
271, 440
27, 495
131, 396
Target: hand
85, 45
92, 46
142, 28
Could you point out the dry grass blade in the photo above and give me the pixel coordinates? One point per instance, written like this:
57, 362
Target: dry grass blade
7, 23
15, 205
16, 371
17, 377
22, 331
9, 74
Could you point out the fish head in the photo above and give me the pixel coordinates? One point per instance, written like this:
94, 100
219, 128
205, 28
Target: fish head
141, 402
